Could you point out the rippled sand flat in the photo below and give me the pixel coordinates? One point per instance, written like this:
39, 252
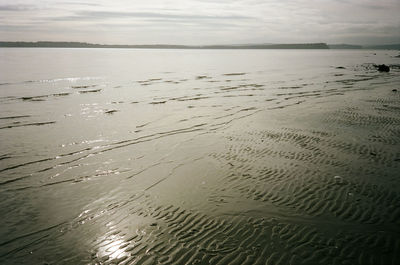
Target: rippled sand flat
199, 157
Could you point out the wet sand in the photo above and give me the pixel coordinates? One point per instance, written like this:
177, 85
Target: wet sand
259, 164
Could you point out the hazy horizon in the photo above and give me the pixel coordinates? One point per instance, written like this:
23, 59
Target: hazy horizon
201, 22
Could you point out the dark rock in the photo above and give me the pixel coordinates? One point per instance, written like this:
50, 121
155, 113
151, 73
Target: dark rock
394, 90
340, 67
383, 68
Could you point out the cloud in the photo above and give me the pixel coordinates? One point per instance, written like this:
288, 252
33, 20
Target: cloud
17, 7
100, 15
202, 21
79, 4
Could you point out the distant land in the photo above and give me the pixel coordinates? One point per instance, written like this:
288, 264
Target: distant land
344, 46
56, 44
369, 47
51, 44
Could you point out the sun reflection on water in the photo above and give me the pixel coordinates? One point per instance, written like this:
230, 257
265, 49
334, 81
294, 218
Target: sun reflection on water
114, 248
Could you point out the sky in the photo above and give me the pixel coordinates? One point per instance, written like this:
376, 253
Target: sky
202, 22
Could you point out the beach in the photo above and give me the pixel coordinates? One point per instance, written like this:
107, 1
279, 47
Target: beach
135, 156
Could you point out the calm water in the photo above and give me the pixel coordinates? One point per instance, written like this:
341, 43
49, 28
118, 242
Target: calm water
199, 157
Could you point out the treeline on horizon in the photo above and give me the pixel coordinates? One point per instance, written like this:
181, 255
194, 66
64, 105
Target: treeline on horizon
55, 44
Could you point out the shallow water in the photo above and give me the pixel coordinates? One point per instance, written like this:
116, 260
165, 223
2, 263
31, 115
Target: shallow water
199, 156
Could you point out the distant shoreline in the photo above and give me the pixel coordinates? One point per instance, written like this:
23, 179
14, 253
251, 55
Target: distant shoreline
51, 44
48, 44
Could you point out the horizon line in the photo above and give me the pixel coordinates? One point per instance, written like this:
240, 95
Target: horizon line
77, 44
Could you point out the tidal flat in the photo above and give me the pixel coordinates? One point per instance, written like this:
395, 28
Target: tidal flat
135, 156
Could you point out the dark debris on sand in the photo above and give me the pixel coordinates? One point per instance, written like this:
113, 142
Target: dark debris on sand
110, 111
383, 68
89, 91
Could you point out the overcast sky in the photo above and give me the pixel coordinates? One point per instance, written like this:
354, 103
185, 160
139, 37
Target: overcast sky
201, 21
